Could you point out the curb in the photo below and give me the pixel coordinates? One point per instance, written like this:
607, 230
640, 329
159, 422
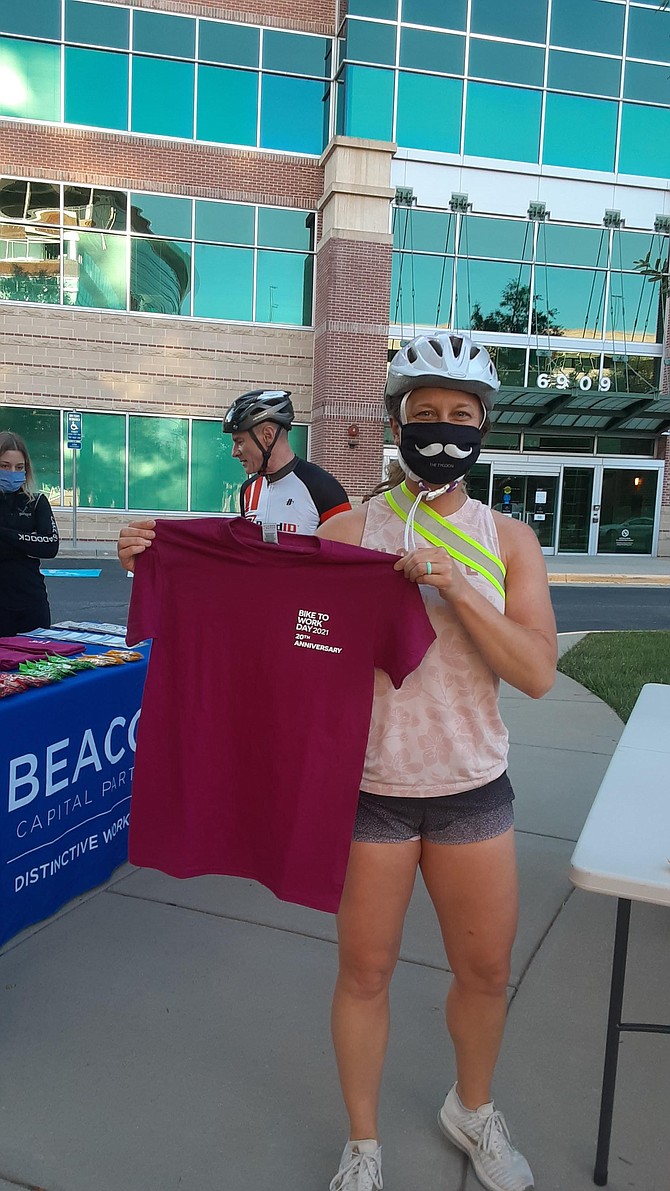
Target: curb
611, 580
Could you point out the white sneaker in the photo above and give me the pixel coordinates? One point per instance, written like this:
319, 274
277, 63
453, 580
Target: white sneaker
359, 1171
484, 1136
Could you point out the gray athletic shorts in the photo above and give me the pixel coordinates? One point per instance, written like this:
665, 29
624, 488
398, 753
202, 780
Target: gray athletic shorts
455, 819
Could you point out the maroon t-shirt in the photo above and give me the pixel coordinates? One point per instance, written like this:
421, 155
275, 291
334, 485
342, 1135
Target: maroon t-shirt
257, 702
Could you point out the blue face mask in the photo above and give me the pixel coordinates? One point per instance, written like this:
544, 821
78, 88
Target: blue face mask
11, 481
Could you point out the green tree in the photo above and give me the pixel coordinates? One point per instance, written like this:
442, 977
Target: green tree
512, 314
24, 286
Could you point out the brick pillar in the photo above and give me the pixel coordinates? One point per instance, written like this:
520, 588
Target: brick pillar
353, 271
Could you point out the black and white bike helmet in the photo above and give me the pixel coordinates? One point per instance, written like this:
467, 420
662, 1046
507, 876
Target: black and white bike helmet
441, 360
260, 405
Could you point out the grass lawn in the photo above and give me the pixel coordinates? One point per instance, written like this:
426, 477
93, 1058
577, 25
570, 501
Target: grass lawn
615, 666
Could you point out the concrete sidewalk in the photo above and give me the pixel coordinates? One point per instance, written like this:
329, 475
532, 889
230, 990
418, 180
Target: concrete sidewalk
611, 569
160, 1035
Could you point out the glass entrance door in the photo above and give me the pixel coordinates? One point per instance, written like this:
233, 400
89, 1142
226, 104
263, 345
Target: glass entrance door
627, 511
529, 498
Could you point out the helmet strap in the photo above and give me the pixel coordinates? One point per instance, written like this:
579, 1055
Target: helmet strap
265, 451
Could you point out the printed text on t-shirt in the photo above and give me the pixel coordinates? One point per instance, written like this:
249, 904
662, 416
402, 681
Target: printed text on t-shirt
310, 625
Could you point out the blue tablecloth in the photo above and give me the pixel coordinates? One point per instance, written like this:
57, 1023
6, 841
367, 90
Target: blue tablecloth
66, 762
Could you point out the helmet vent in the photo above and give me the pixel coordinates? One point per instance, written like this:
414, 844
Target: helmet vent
436, 346
474, 350
457, 344
412, 355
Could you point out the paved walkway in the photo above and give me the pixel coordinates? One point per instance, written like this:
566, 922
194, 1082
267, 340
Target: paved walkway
160, 1035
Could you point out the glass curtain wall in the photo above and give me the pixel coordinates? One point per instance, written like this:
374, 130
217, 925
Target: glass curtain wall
137, 462
162, 74
581, 84
154, 253
529, 278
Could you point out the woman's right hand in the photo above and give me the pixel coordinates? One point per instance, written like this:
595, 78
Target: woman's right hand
133, 540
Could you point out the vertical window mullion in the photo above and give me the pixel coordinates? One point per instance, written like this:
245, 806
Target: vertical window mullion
622, 79
255, 267
191, 303
189, 464
127, 461
259, 93
130, 67
466, 70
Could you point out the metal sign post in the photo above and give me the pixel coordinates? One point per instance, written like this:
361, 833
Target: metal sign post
74, 445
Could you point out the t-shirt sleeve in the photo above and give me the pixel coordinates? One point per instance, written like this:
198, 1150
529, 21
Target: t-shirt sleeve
145, 598
404, 632
326, 492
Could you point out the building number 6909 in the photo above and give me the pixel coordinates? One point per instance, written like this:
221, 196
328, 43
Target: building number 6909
561, 381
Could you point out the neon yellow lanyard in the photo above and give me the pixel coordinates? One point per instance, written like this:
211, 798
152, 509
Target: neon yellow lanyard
440, 532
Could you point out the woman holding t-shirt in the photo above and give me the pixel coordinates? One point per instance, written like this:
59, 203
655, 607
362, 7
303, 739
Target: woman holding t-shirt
436, 795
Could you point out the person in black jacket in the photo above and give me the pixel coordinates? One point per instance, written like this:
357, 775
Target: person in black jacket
28, 532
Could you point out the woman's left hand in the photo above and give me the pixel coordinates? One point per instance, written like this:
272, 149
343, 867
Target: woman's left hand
431, 567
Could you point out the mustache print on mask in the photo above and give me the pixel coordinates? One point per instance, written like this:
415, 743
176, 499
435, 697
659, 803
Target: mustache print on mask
449, 448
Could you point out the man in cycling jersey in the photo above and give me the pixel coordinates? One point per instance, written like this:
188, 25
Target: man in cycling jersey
281, 489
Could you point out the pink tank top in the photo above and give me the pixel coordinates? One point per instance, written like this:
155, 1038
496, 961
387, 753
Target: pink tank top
441, 733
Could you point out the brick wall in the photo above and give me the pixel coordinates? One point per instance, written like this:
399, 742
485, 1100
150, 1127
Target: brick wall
311, 16
143, 163
350, 353
144, 363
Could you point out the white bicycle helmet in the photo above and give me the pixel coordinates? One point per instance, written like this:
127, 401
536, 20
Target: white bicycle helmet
441, 360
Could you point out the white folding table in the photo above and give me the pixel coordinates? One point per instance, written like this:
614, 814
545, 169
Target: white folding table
624, 851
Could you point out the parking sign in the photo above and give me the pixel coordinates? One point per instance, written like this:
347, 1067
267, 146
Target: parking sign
74, 431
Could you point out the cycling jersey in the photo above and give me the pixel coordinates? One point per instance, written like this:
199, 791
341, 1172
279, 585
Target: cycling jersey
297, 499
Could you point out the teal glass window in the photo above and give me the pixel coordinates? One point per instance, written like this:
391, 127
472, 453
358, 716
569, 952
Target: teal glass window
492, 296
295, 53
421, 290
571, 300
39, 18
284, 288
629, 248
564, 142
101, 463
370, 41
650, 83
292, 114
525, 18
584, 72
29, 264
649, 34
162, 97
96, 88
160, 276
232, 45
85, 206
515, 132
366, 102
280, 227
224, 223
157, 464
423, 50
41, 430
424, 231
160, 33
386, 10
635, 312
227, 105
160, 215
510, 239
510, 363
95, 270
97, 24
29, 79
587, 25
31, 201
215, 476
506, 63
297, 437
419, 94
223, 282
560, 244
441, 14
645, 141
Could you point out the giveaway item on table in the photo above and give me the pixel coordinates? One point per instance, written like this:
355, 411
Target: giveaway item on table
14, 650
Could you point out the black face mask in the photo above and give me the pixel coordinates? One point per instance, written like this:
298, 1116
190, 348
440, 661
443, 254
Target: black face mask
440, 452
